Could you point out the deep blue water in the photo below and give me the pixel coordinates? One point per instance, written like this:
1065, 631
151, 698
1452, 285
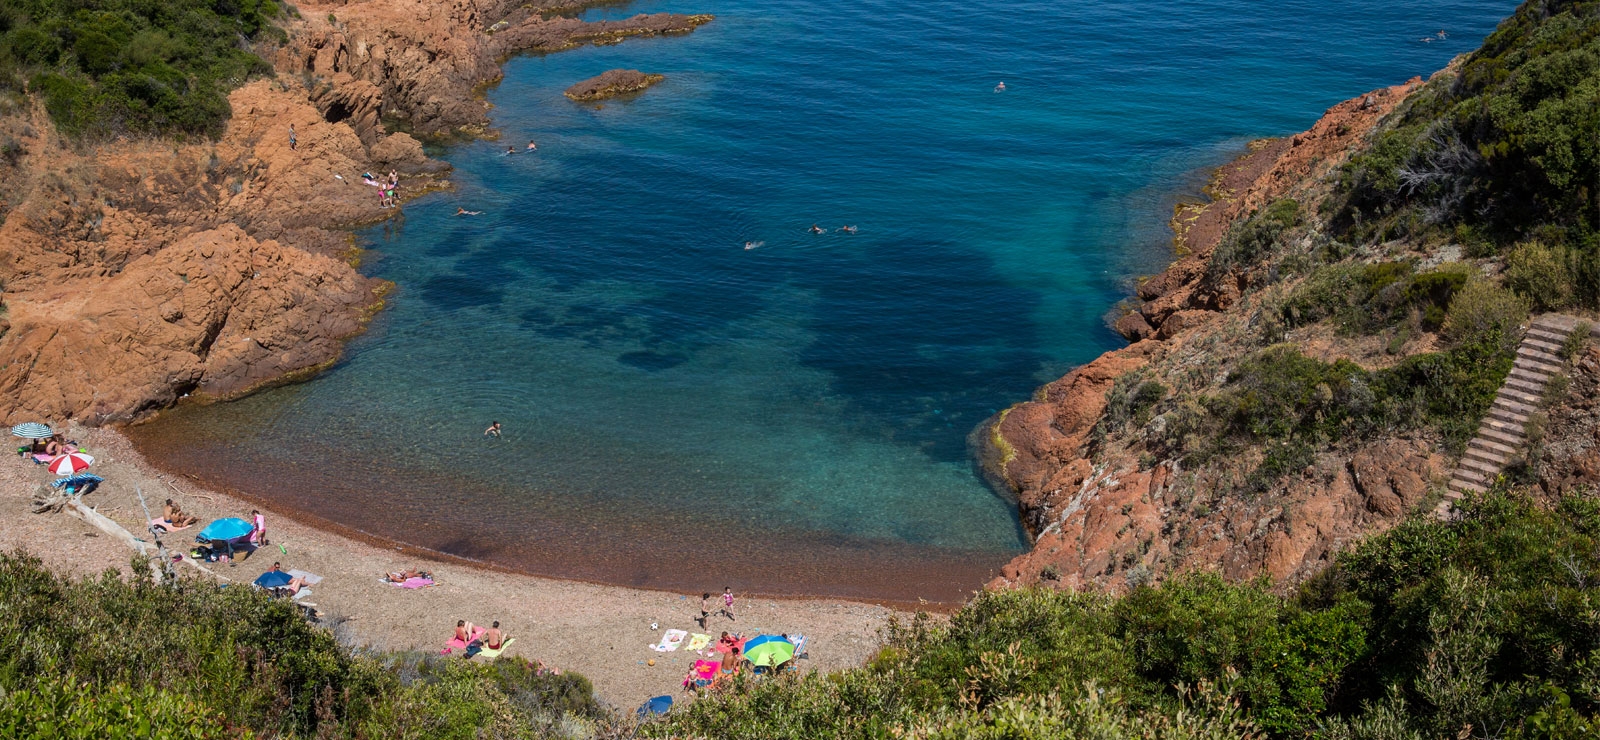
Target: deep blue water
680, 410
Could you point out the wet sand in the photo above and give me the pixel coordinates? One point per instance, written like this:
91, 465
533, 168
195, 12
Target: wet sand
597, 630
641, 543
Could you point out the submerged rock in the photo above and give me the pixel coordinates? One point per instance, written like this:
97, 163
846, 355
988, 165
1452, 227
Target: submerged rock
611, 84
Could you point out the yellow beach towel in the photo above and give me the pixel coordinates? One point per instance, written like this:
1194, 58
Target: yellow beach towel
698, 642
487, 652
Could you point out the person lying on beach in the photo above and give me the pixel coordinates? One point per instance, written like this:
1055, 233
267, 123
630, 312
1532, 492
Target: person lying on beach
466, 631
401, 576
294, 585
58, 446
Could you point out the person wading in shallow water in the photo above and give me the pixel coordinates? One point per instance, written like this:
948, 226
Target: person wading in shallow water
493, 430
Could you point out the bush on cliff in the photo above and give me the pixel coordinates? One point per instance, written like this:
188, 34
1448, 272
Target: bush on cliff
106, 67
1502, 151
1485, 627
109, 657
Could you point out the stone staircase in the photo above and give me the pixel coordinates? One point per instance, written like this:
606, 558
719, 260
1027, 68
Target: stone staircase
1502, 434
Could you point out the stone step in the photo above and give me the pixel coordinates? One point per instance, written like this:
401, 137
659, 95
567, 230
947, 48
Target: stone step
1466, 487
1548, 334
1506, 417
1521, 396
1542, 343
1538, 375
1497, 459
1507, 438
1533, 356
1486, 469
1491, 446
1512, 404
1471, 476
1520, 384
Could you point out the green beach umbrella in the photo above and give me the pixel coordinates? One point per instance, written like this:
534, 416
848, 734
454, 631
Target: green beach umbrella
768, 650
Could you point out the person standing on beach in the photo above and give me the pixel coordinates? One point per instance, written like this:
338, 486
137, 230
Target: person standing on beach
258, 535
293, 142
727, 602
705, 609
494, 427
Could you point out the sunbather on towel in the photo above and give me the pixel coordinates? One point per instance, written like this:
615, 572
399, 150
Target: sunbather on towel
294, 585
493, 638
401, 576
467, 632
175, 517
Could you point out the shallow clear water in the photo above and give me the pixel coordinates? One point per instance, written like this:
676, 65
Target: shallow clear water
683, 412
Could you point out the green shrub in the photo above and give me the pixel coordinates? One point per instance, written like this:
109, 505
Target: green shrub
1367, 298
1485, 311
1250, 240
1540, 274
106, 67
190, 659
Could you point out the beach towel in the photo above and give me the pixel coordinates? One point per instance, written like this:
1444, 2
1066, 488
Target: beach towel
702, 673
698, 642
723, 647
310, 579
489, 652
411, 583
167, 526
670, 641
455, 643
302, 593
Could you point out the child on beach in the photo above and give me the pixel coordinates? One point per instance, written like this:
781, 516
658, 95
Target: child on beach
258, 535
705, 609
727, 602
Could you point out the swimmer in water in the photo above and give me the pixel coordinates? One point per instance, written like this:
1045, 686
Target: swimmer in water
1000, 87
752, 245
510, 150
464, 212
815, 229
532, 146
847, 229
1442, 35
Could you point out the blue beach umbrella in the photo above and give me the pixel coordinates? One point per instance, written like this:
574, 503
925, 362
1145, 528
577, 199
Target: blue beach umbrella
273, 579
32, 430
231, 528
656, 705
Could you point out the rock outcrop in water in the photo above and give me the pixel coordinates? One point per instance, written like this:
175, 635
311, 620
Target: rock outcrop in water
1104, 513
138, 272
610, 84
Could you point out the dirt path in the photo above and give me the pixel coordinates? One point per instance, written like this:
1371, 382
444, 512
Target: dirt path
599, 631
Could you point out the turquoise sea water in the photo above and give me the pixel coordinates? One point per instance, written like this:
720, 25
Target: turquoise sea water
682, 412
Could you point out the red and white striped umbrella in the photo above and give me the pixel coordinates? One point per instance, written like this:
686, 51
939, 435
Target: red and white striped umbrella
72, 462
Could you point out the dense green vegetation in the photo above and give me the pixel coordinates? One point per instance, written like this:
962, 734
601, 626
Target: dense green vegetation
107, 67
1486, 627
108, 657
1504, 152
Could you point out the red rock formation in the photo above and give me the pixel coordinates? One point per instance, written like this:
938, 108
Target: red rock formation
136, 272
1106, 518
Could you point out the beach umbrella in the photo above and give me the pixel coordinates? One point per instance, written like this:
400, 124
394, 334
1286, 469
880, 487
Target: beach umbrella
768, 650
656, 705
72, 462
231, 528
32, 430
274, 579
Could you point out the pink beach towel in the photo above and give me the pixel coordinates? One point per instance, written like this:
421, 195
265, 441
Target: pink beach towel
455, 643
701, 674
413, 583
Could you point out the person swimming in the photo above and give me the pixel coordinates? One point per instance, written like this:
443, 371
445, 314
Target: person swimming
532, 146
1442, 35
464, 212
510, 150
1000, 87
847, 229
815, 229
753, 245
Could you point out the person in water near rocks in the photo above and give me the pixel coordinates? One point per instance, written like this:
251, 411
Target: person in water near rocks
464, 212
532, 146
494, 429
815, 229
1000, 87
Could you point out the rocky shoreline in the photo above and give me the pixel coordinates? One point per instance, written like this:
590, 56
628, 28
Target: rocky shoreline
1096, 514
137, 273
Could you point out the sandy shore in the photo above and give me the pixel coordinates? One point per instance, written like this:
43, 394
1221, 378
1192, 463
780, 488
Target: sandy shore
600, 631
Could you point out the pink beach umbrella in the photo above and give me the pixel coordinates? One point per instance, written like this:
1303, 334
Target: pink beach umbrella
72, 462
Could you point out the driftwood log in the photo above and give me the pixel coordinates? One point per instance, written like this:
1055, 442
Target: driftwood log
47, 500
